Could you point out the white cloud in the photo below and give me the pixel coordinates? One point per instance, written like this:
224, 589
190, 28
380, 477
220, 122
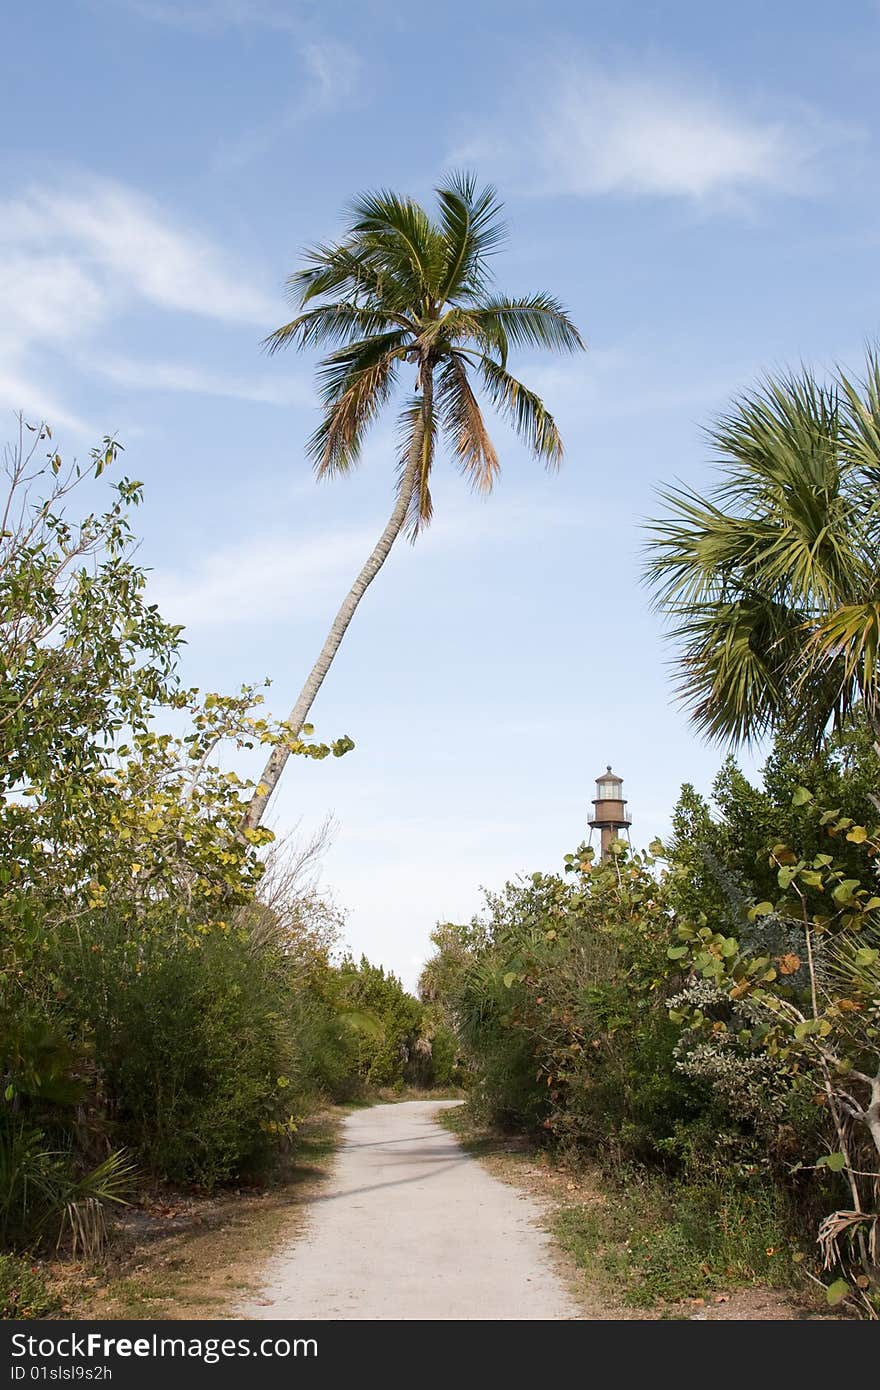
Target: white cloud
46, 297
19, 394
329, 84
75, 260
262, 579
334, 69
184, 376
127, 241
631, 133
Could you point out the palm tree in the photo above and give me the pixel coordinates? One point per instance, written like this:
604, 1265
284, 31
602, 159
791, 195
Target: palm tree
404, 290
772, 580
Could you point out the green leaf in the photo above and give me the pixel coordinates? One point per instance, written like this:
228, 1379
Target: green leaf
858, 835
866, 955
844, 891
676, 952
806, 1029
812, 877
9, 1092
508, 979
837, 1292
836, 1162
760, 910
801, 796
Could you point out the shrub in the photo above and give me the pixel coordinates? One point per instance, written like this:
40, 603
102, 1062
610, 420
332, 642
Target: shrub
23, 1290
192, 1043
664, 1240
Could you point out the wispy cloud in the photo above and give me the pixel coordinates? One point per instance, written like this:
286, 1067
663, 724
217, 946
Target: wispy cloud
127, 243
329, 83
20, 393
205, 16
262, 579
633, 131
186, 377
76, 260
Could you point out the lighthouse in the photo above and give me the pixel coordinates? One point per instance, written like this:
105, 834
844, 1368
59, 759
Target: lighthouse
609, 810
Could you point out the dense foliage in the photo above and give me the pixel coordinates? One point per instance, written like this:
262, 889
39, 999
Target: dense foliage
707, 1012
156, 1018
770, 580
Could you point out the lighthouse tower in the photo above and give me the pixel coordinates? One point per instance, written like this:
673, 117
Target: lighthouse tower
609, 810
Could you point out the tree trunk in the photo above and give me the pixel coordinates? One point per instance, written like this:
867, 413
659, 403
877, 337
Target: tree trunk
299, 714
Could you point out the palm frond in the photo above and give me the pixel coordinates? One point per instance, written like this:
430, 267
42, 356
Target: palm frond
472, 229
525, 411
417, 429
770, 581
536, 320
401, 286
860, 437
338, 269
338, 322
355, 382
849, 639
398, 239
462, 418
460, 325
735, 661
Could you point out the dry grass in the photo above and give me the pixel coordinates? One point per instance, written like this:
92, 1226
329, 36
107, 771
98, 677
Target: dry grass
595, 1268
174, 1256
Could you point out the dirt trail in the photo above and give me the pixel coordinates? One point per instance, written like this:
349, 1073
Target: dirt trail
409, 1226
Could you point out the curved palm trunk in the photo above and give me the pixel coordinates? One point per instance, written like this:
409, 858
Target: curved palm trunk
299, 714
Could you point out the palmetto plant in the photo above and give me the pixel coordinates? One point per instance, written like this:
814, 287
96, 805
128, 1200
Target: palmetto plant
772, 580
403, 292
41, 1196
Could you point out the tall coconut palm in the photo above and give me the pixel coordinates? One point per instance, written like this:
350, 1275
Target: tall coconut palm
772, 580
401, 291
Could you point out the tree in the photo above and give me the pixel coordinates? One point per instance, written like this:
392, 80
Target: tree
98, 801
133, 1000
402, 289
772, 580
808, 1013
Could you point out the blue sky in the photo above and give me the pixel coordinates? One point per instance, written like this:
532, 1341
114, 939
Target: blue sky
697, 183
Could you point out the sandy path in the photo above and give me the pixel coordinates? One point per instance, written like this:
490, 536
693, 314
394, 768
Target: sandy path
409, 1226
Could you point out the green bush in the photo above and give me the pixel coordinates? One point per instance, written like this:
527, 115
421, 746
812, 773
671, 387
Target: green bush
387, 1022
445, 1069
326, 1065
23, 1290
663, 1240
43, 1186
192, 1042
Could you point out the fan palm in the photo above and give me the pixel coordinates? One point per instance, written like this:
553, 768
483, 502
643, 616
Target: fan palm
772, 580
405, 291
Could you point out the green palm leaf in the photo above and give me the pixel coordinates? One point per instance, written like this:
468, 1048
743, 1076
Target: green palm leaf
537, 320
770, 581
525, 411
471, 226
